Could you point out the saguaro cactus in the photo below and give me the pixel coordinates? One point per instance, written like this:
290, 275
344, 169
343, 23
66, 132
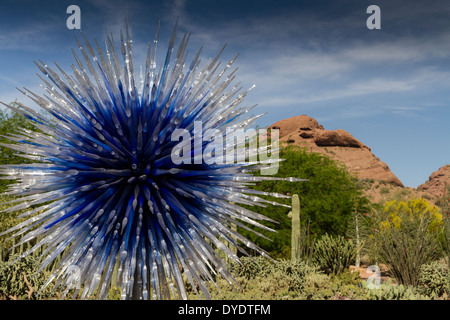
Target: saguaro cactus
295, 239
358, 254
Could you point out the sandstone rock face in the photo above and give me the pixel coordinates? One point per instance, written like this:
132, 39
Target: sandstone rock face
337, 138
437, 182
298, 123
338, 144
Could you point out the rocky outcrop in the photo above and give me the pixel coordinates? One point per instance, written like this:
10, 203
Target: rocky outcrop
299, 123
338, 138
437, 182
338, 144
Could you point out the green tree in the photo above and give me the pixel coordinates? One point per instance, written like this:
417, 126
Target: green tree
327, 200
10, 123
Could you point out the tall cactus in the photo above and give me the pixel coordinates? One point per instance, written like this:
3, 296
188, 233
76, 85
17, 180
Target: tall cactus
358, 254
295, 239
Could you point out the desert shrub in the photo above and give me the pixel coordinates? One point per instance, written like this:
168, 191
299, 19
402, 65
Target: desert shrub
399, 214
307, 242
317, 286
384, 190
7, 221
251, 267
359, 231
389, 291
282, 279
406, 236
435, 279
12, 281
444, 204
345, 286
294, 271
446, 239
10, 122
334, 254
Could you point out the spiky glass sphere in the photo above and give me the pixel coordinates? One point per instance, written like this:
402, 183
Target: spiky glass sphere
104, 192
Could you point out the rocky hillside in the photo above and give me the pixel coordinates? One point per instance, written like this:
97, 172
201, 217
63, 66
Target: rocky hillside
381, 182
437, 182
338, 144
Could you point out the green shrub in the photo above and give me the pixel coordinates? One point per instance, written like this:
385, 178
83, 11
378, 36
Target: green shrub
251, 267
389, 291
406, 236
334, 254
287, 280
12, 281
384, 190
259, 278
7, 221
345, 286
9, 123
434, 279
306, 243
317, 286
327, 199
294, 271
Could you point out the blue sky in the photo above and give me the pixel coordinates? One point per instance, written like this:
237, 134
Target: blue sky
390, 88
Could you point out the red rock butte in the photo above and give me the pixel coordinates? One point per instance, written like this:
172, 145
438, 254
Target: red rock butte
437, 182
304, 131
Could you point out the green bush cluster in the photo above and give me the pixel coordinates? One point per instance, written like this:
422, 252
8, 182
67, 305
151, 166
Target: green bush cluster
345, 286
251, 267
334, 254
434, 279
327, 199
261, 279
292, 273
389, 291
12, 280
9, 123
405, 236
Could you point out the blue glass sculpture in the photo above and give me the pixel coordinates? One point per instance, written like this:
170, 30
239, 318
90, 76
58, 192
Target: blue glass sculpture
105, 192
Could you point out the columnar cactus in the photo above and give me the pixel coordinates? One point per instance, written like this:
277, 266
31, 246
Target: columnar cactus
295, 239
358, 254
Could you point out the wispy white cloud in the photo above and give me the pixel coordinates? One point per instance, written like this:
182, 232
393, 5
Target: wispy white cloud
286, 56
283, 69
404, 110
404, 50
113, 13
8, 80
34, 37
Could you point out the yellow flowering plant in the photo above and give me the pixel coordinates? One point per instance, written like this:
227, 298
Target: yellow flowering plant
405, 214
406, 235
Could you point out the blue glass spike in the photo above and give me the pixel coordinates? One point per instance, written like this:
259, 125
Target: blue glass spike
104, 191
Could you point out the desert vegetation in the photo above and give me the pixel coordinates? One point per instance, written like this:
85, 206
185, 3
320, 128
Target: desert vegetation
340, 232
